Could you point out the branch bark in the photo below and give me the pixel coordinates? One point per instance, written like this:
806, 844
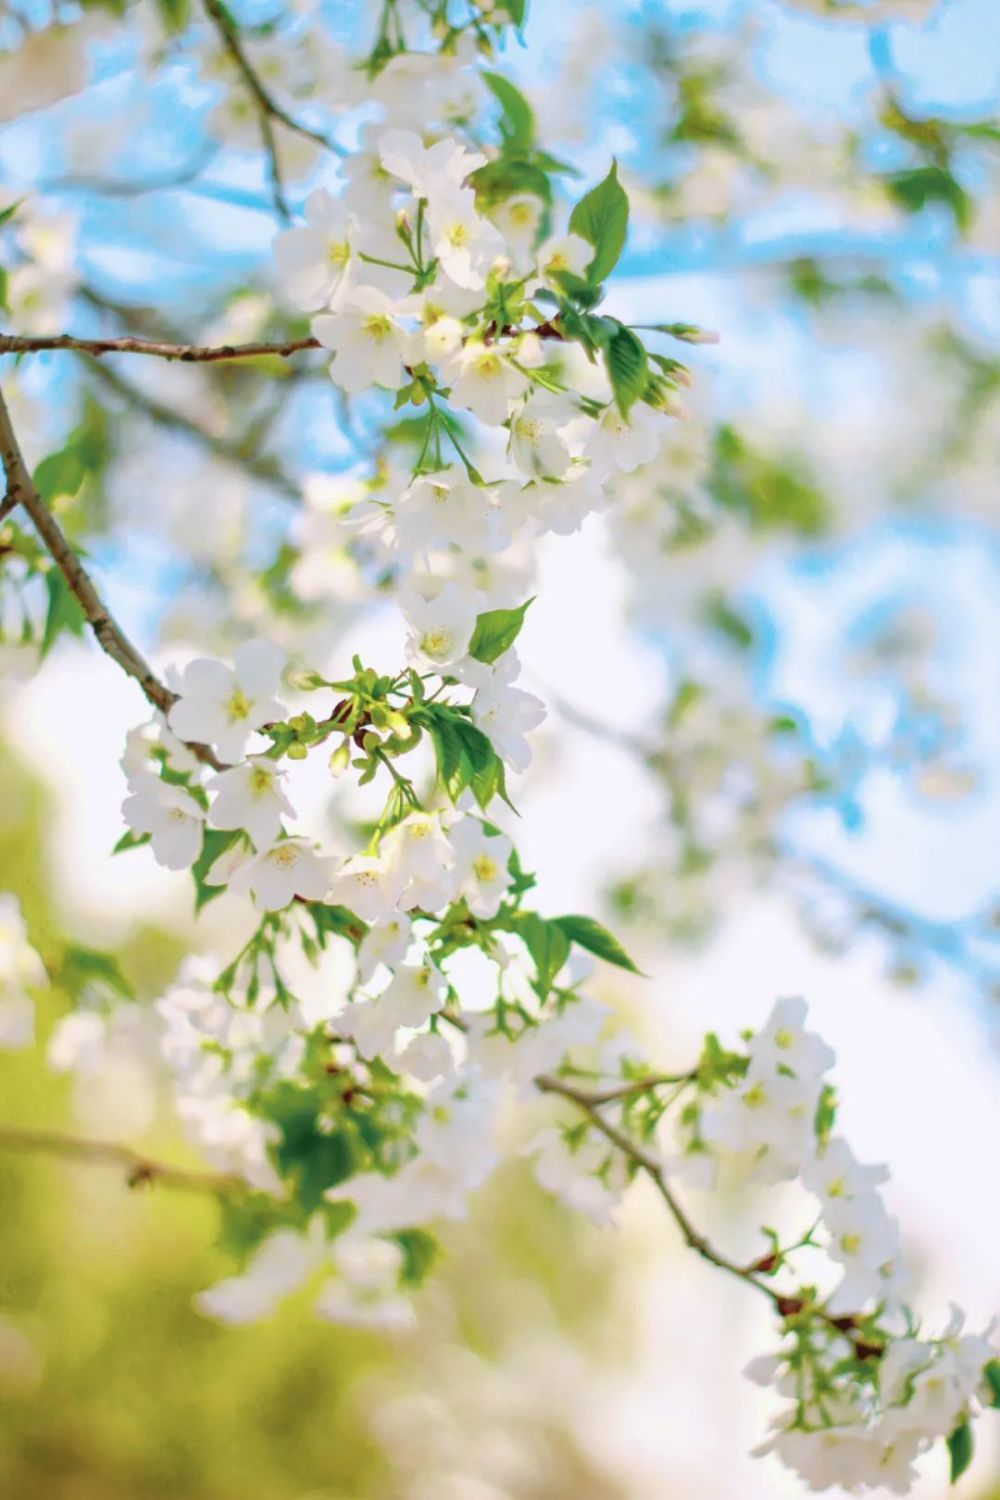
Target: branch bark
185, 353
139, 1169
269, 111
786, 1306
110, 637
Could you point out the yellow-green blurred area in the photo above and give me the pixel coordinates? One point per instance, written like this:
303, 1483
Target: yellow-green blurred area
115, 1388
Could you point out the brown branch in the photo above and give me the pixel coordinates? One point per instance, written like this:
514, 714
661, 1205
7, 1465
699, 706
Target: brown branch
185, 353
110, 637
139, 1169
269, 111
638, 1086
786, 1306
548, 1083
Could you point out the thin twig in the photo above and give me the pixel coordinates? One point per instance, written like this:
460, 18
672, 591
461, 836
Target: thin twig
786, 1306
548, 1083
203, 354
645, 1085
269, 111
139, 1169
260, 466
110, 637
949, 942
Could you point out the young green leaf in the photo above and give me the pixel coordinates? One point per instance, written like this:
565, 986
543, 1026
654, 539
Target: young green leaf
420, 1251
628, 371
517, 123
601, 216
214, 843
496, 631
991, 1375
82, 968
131, 840
960, 1450
548, 946
587, 933
63, 615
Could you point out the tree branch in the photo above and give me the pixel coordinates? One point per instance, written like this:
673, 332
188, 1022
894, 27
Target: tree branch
110, 637
548, 1083
269, 111
139, 1169
786, 1306
260, 466
949, 942
185, 353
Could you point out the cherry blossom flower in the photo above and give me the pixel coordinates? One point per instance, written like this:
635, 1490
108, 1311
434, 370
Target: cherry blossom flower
367, 340
222, 706
250, 796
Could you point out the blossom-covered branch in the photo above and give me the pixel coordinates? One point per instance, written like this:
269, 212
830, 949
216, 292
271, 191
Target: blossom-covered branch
458, 287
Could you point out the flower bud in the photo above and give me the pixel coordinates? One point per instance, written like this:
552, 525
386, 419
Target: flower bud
340, 759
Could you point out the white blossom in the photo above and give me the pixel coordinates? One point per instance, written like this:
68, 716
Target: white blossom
21, 969
485, 383
481, 865
250, 796
222, 706
275, 876
367, 340
317, 263
170, 816
440, 628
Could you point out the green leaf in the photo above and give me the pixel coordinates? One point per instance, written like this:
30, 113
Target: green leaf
960, 1449
486, 771
316, 1159
63, 614
215, 842
826, 1113
420, 1251
505, 178
338, 920
721, 614
584, 293
8, 213
915, 189
587, 933
991, 1374
465, 756
768, 491
601, 216
131, 840
453, 772
517, 123
81, 967
60, 474
547, 944
496, 631
628, 370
